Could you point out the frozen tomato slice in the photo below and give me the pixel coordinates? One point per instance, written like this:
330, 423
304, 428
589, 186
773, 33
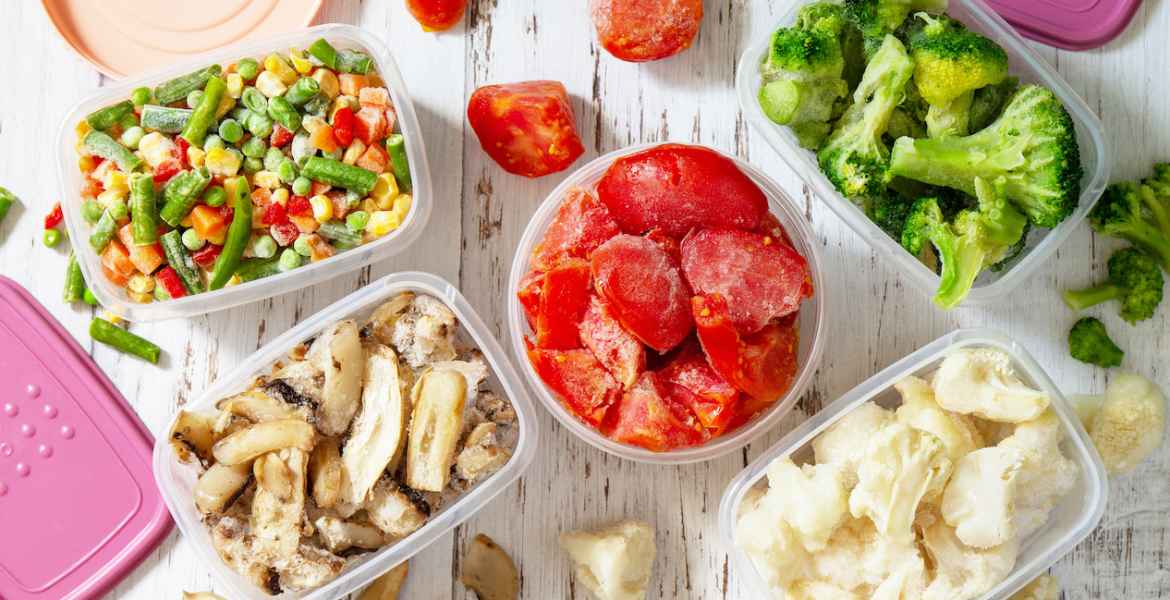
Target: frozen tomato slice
563, 300
645, 290
437, 15
759, 276
677, 188
761, 365
621, 353
527, 127
642, 30
668, 244
646, 418
578, 380
579, 227
698, 387
531, 286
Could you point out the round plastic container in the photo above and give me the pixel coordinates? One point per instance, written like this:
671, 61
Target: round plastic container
1024, 64
116, 300
176, 479
811, 320
1070, 521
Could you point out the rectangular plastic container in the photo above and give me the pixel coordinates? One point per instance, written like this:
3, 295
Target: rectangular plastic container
1077, 514
116, 300
1024, 64
176, 479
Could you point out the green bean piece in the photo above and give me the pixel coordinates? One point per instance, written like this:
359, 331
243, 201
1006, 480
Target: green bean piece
325, 52
128, 120
161, 293
353, 61
399, 163
179, 260
254, 100
178, 88
91, 211
107, 333
7, 199
204, 115
302, 91
89, 298
335, 172
74, 281
317, 106
103, 232
181, 193
119, 210
337, 232
165, 118
51, 238
140, 96
104, 118
215, 196
248, 68
258, 268
237, 235
143, 209
283, 112
101, 144
231, 131
357, 220
193, 98
258, 124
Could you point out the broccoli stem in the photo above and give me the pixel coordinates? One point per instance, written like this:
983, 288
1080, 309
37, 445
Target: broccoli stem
954, 162
1086, 298
1147, 237
1155, 206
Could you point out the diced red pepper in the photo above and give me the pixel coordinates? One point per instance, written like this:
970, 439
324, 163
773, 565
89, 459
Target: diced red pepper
167, 169
274, 214
280, 137
183, 146
169, 279
285, 233
344, 123
299, 205
207, 255
54, 217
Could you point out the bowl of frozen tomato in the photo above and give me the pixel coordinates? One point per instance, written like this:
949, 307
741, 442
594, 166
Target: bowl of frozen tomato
665, 303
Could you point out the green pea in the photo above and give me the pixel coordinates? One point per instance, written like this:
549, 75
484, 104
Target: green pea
132, 136
254, 147
248, 68
300, 186
264, 247
240, 113
289, 260
356, 221
91, 211
254, 100
253, 165
273, 158
140, 96
301, 246
287, 171
215, 196
258, 124
193, 98
231, 131
52, 237
192, 241
118, 210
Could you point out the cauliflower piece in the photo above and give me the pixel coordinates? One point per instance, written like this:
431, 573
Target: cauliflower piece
901, 466
614, 562
425, 333
979, 501
982, 382
1046, 476
839, 445
1044, 587
821, 590
1130, 423
962, 572
920, 411
812, 499
906, 582
157, 148
772, 545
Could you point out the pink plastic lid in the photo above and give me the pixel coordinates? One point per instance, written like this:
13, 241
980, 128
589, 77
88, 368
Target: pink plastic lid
1070, 24
79, 508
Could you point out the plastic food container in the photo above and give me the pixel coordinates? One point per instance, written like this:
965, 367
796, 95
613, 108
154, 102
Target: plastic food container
177, 479
1070, 25
1070, 521
811, 321
1024, 64
116, 300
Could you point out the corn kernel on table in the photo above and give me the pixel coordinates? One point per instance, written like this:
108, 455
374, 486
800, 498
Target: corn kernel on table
480, 213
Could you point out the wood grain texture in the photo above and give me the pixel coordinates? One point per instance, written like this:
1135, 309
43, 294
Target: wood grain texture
481, 212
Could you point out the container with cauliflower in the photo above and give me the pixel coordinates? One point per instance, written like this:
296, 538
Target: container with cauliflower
348, 444
959, 473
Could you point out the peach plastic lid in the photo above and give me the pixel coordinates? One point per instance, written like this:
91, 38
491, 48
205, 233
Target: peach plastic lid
125, 37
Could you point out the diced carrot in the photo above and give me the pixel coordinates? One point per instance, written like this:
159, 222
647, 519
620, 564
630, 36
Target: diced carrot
209, 224
377, 97
305, 223
116, 260
322, 139
319, 188
261, 197
145, 258
115, 277
340, 205
371, 125
374, 159
352, 84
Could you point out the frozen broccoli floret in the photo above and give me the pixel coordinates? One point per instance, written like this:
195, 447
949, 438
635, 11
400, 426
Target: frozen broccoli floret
1032, 145
1135, 279
854, 157
879, 18
1133, 212
989, 101
1088, 342
889, 212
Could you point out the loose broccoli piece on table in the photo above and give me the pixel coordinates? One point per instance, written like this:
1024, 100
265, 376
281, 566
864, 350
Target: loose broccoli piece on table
878, 18
1088, 342
988, 102
854, 157
1129, 212
1033, 145
1156, 195
1135, 279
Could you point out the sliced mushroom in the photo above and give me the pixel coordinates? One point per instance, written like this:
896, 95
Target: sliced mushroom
193, 433
261, 438
495, 408
474, 370
489, 571
482, 454
376, 439
387, 586
325, 473
338, 354
276, 521
309, 567
395, 512
380, 325
340, 535
256, 406
273, 476
435, 428
219, 485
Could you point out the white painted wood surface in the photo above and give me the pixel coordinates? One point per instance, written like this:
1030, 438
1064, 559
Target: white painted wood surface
481, 211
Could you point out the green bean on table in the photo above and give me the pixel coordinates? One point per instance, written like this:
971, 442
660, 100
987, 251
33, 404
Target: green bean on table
107, 333
74, 281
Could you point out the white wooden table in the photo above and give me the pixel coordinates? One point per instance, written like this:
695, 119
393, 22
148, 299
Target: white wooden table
481, 211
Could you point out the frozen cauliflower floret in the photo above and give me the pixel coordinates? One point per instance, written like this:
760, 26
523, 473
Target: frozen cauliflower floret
1046, 476
960, 571
906, 582
613, 563
982, 382
772, 545
842, 443
821, 590
900, 467
1044, 587
1130, 423
920, 411
979, 501
426, 333
812, 499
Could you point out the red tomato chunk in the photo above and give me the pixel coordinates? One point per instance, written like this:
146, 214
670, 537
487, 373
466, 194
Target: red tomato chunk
645, 417
698, 387
579, 227
437, 15
562, 303
644, 289
761, 365
528, 127
642, 30
578, 380
621, 353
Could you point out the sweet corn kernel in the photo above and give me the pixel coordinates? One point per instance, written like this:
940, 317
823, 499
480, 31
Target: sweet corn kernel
83, 128
142, 284
155, 148
85, 163
195, 156
313, 123
140, 297
274, 64
235, 85
322, 207
327, 80
222, 162
115, 181
385, 190
235, 280
113, 318
266, 179
354, 152
108, 198
382, 222
226, 104
369, 205
270, 85
280, 196
402, 205
299, 62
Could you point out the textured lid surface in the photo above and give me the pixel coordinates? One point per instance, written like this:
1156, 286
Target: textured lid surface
79, 508
1071, 24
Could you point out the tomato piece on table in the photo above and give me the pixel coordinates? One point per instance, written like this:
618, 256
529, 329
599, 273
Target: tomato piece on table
677, 188
579, 227
54, 217
759, 276
644, 289
695, 385
578, 379
527, 127
531, 285
644, 30
646, 418
620, 352
563, 300
761, 365
437, 15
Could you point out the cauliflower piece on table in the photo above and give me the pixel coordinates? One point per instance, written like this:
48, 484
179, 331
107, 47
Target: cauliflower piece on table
613, 563
1046, 476
841, 444
920, 411
1130, 423
979, 501
901, 466
811, 499
982, 382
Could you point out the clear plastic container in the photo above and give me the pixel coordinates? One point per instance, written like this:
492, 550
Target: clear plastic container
811, 320
1070, 521
115, 299
1024, 64
176, 479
